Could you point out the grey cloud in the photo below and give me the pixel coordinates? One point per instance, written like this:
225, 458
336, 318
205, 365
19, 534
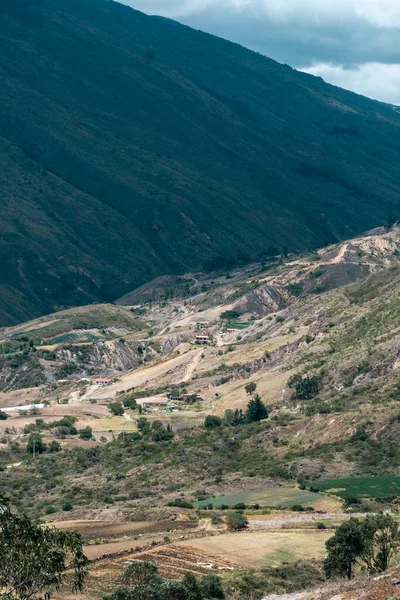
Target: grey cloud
346, 34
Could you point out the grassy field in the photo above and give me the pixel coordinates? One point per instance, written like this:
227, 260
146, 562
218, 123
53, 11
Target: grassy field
276, 497
262, 549
364, 487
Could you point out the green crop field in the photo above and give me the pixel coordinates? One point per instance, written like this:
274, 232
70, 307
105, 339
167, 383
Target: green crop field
363, 487
274, 497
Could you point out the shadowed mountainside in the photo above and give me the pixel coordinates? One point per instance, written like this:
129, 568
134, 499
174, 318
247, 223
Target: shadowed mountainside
132, 146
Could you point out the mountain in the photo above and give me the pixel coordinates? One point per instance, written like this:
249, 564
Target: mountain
133, 147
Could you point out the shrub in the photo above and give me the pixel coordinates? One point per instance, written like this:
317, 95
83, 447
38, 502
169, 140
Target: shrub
86, 433
212, 422
3, 416
211, 586
116, 409
236, 521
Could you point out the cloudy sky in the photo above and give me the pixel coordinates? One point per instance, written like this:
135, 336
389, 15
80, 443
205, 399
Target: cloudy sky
352, 43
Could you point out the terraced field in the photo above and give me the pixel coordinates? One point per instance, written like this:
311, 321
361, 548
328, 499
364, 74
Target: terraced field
274, 497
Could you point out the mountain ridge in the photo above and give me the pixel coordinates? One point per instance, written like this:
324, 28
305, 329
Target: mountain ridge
137, 147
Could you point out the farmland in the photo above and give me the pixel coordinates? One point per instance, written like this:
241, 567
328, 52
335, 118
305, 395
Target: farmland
362, 487
260, 549
153, 480
273, 497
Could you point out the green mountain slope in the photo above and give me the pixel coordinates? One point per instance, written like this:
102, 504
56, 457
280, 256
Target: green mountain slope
133, 146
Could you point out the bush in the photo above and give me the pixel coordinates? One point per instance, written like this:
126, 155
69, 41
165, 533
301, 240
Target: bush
116, 409
212, 422
211, 586
86, 433
236, 521
54, 446
67, 507
3, 416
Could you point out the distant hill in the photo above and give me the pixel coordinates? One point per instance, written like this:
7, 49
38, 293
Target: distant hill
133, 147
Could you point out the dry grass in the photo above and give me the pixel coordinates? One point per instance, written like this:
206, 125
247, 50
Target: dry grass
262, 549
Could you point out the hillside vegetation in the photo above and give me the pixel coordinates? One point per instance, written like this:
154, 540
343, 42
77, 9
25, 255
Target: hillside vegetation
133, 147
168, 462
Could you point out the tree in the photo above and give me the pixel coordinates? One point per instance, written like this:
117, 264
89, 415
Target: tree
160, 433
212, 586
236, 521
143, 425
212, 422
344, 549
194, 591
373, 542
390, 223
139, 573
116, 409
250, 388
36, 444
382, 540
3, 416
34, 559
54, 446
130, 402
86, 433
256, 410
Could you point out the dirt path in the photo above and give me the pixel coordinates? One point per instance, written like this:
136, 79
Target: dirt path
191, 367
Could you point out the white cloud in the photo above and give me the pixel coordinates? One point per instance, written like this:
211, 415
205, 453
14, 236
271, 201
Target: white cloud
376, 80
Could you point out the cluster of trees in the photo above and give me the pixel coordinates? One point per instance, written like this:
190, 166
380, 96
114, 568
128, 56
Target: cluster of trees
256, 411
371, 542
36, 445
118, 408
142, 582
64, 427
155, 431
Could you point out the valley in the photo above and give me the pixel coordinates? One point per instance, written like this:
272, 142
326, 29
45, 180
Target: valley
104, 419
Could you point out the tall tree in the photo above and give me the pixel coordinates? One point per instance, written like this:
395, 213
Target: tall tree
382, 540
344, 549
256, 410
34, 559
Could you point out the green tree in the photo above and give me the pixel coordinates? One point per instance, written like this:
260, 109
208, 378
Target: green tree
390, 223
130, 402
256, 410
139, 573
212, 422
236, 521
212, 586
194, 591
3, 416
54, 446
116, 409
143, 425
34, 559
36, 444
382, 540
250, 388
86, 433
344, 549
